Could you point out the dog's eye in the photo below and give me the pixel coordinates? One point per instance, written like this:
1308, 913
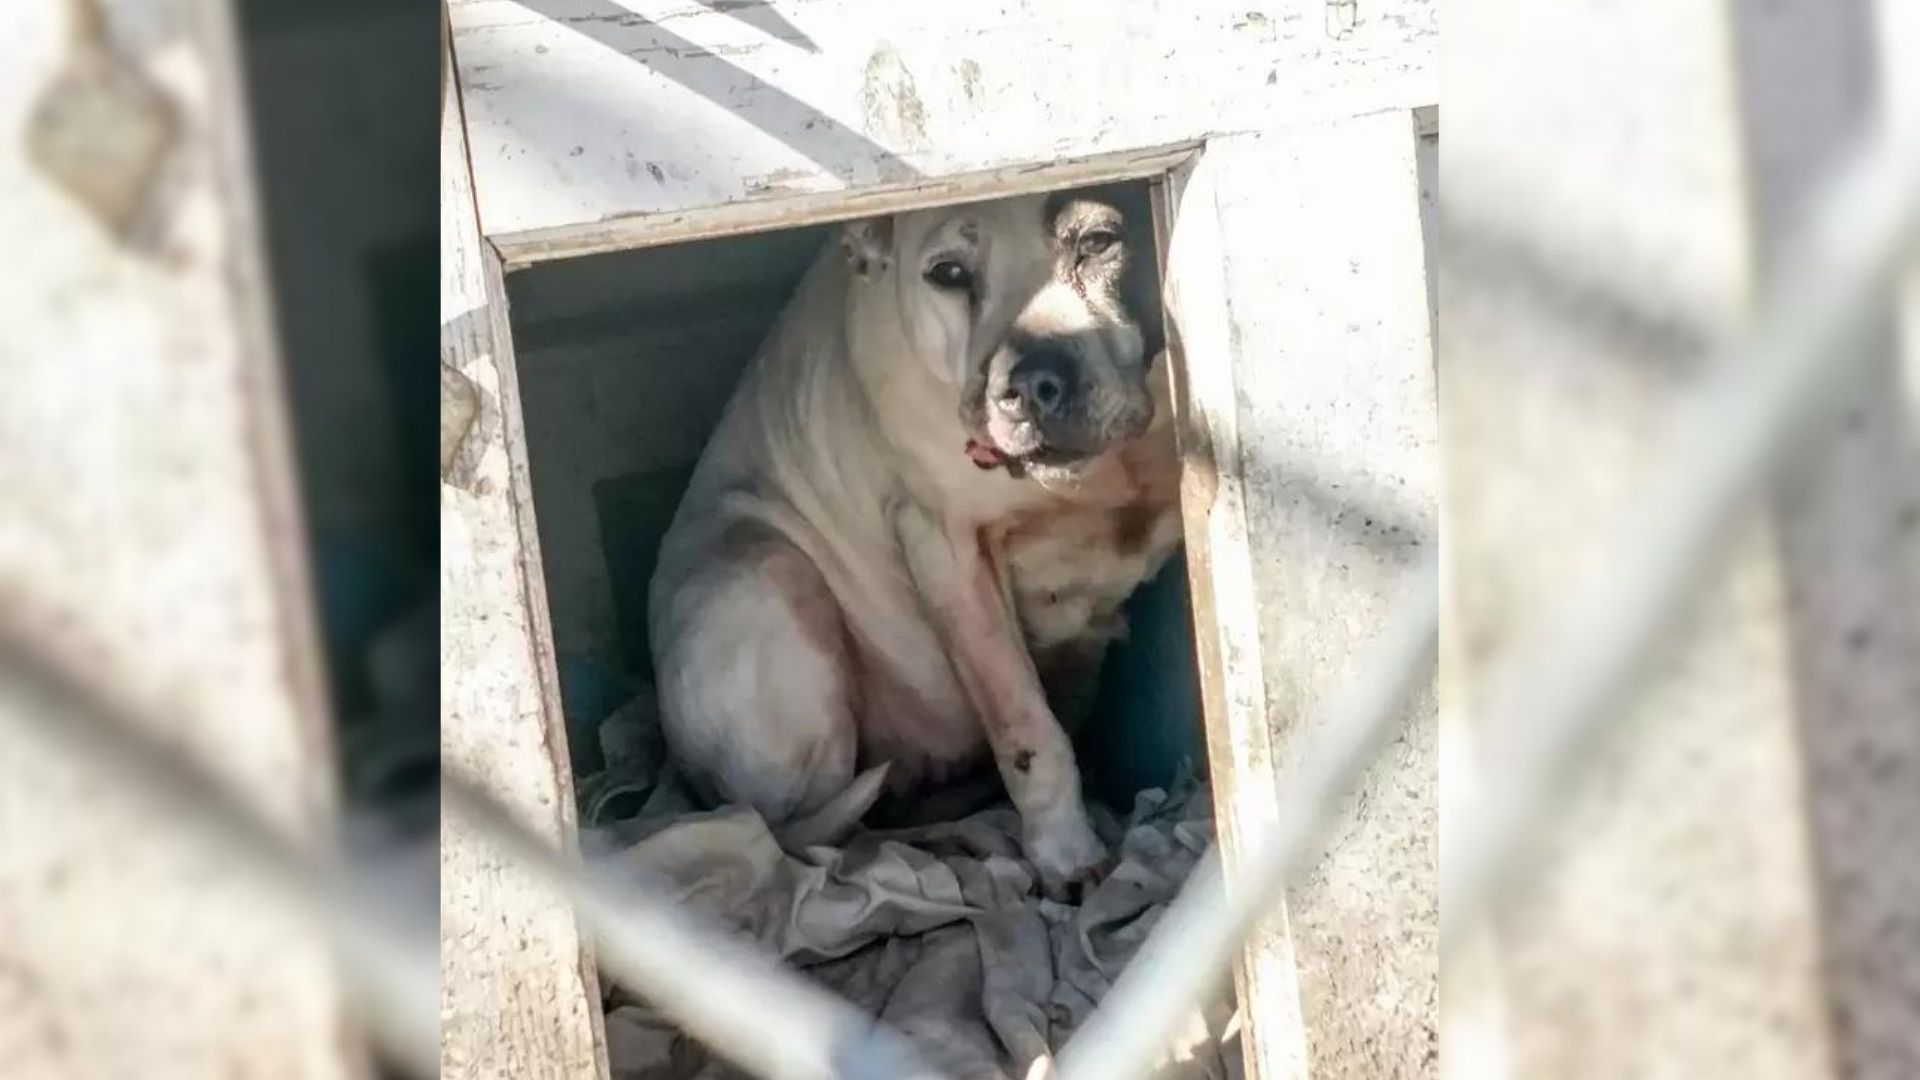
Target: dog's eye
1096, 242
947, 274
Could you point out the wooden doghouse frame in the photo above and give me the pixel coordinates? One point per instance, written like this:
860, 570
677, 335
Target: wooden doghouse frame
1282, 141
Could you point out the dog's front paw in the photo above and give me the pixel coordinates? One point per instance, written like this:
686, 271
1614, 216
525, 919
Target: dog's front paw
1067, 854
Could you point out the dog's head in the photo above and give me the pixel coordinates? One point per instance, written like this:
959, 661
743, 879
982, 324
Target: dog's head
1030, 311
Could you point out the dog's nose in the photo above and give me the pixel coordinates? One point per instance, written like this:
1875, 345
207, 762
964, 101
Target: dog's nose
1040, 384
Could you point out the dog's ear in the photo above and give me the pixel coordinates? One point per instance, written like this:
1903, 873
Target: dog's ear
868, 246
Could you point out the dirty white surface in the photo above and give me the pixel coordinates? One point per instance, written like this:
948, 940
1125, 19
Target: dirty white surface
516, 985
146, 546
587, 110
1850, 544
1298, 270
1672, 927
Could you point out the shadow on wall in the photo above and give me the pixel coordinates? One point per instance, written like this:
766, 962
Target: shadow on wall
808, 131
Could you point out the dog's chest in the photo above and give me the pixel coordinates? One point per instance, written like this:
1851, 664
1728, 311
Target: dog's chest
1072, 565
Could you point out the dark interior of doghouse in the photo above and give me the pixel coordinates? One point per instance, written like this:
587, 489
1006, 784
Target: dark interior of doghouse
625, 362
354, 269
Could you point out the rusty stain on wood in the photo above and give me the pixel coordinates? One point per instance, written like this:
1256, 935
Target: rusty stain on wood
890, 99
970, 78
102, 129
460, 410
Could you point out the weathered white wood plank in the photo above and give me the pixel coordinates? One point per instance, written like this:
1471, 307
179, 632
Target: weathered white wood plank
149, 543
776, 211
519, 995
584, 112
1227, 633
1671, 930
1298, 285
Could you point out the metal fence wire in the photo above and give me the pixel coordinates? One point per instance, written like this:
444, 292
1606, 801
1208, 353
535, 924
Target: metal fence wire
1772, 388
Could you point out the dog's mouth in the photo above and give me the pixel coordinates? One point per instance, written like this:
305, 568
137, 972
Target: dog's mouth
986, 455
1046, 408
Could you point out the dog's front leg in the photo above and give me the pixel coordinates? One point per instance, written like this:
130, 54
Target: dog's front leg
959, 576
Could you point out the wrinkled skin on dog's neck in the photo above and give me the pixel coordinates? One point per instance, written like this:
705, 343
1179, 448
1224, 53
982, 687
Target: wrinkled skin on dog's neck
944, 306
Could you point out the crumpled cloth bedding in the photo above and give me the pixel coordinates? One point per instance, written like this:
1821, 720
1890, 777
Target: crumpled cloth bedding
938, 930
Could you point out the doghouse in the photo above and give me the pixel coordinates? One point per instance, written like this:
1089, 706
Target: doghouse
625, 361
630, 193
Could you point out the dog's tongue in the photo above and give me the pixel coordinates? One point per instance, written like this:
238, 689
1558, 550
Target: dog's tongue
985, 456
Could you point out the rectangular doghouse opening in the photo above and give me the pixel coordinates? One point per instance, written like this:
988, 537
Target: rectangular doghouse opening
626, 361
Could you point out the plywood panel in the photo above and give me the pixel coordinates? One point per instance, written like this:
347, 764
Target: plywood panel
587, 112
1228, 635
1298, 282
518, 992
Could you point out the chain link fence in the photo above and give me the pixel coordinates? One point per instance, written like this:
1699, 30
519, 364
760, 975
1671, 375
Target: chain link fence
1773, 388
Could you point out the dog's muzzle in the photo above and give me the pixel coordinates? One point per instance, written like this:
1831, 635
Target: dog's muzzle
1036, 410
1046, 407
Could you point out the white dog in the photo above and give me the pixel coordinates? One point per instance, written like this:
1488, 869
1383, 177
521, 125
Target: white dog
908, 541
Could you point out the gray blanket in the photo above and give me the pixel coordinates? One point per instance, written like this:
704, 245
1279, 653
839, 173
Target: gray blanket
940, 930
